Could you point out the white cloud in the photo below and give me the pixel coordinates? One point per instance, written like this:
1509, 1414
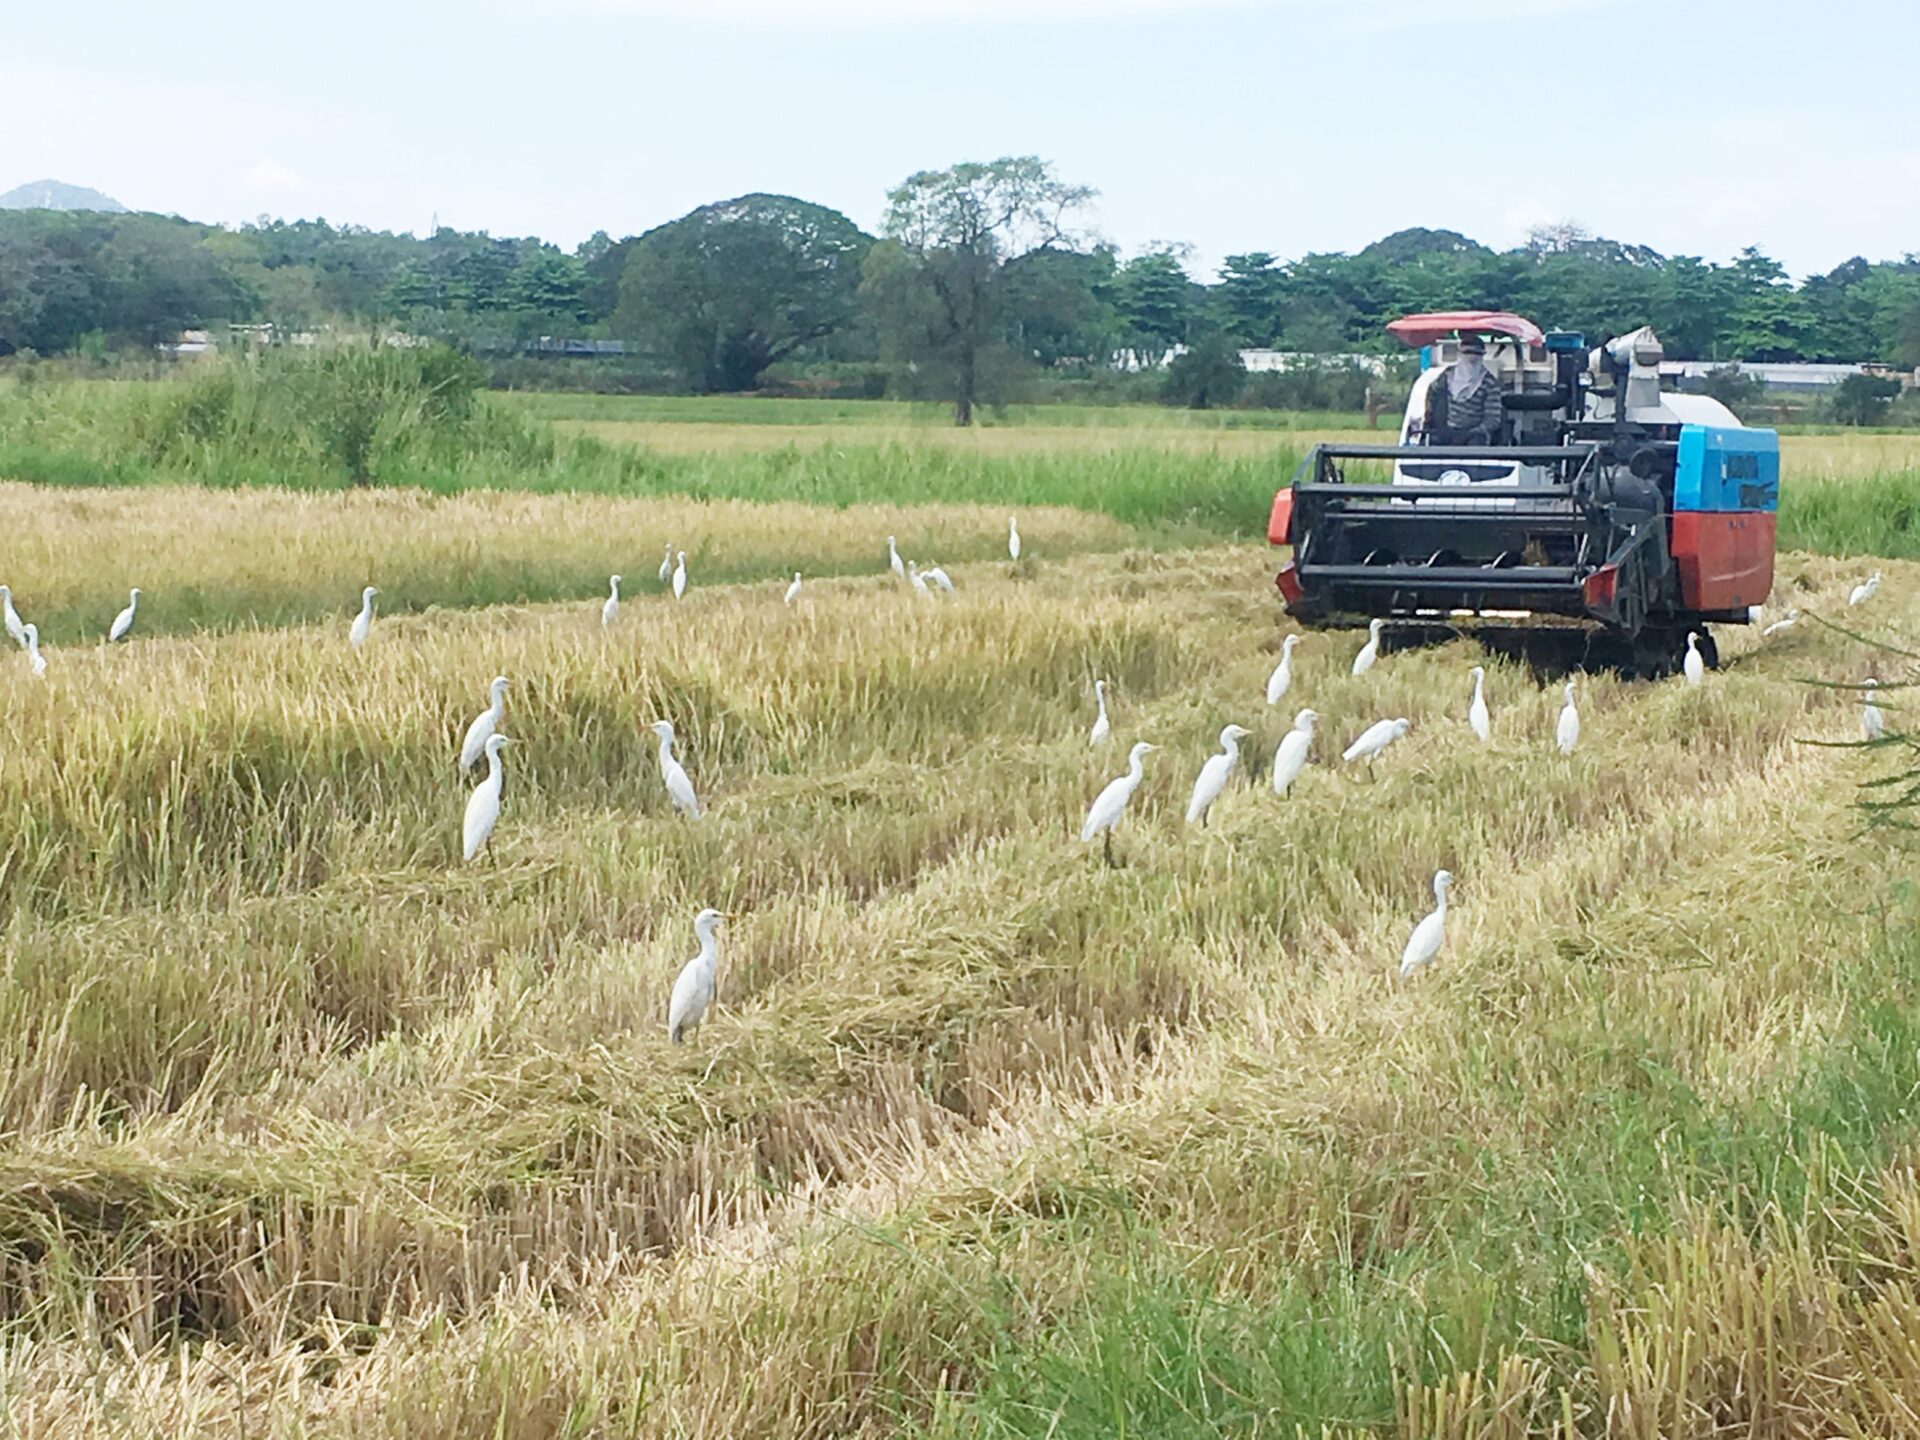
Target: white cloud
269, 174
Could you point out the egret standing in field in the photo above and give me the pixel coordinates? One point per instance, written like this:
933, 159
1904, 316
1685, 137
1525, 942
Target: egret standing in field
473, 748
693, 991
1290, 758
1215, 773
1566, 734
680, 574
1785, 622
674, 774
363, 622
918, 582
1013, 536
793, 590
123, 622
1873, 725
15, 631
1101, 729
938, 577
1375, 738
1478, 720
483, 806
1111, 802
610, 611
1370, 651
666, 563
1281, 680
36, 662
1430, 934
894, 562
1694, 667
1865, 590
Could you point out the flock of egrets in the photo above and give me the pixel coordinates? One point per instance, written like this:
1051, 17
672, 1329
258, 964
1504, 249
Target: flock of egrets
693, 989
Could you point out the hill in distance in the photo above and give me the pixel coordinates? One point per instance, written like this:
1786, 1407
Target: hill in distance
57, 195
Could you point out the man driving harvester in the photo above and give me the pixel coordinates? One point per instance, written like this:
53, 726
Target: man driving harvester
1463, 406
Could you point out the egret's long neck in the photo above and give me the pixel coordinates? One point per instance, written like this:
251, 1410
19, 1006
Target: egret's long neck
493, 766
1230, 746
709, 949
666, 747
1137, 768
1100, 699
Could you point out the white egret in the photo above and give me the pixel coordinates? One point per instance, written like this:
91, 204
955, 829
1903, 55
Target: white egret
483, 805
680, 574
473, 748
693, 991
666, 563
1873, 725
610, 611
15, 631
1290, 758
1478, 720
679, 787
1214, 774
123, 622
1281, 680
1111, 802
793, 590
1566, 734
1865, 590
1694, 667
363, 622
1370, 651
1375, 738
1101, 729
1783, 623
919, 583
938, 577
36, 662
1430, 934
894, 562
1013, 537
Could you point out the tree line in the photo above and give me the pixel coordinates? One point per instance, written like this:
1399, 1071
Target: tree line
981, 273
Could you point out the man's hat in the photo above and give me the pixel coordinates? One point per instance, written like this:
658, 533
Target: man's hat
1472, 345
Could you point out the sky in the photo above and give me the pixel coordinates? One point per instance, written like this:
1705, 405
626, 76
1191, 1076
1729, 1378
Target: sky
1287, 126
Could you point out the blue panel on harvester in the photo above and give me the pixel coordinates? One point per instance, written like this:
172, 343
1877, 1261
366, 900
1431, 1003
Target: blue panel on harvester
1727, 468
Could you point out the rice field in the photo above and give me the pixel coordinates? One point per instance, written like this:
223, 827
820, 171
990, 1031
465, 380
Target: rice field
308, 1129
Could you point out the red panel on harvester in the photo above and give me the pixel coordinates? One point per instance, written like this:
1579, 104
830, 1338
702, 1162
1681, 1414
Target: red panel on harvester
1280, 522
1725, 559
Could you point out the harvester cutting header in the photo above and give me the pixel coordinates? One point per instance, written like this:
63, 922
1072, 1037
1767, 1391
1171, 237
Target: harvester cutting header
1539, 484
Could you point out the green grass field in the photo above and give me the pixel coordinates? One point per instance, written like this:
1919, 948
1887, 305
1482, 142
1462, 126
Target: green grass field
308, 1129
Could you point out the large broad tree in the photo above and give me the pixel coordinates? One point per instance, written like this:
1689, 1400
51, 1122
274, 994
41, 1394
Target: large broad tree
937, 286
741, 285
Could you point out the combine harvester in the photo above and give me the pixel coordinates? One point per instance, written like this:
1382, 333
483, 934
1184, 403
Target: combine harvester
1603, 521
